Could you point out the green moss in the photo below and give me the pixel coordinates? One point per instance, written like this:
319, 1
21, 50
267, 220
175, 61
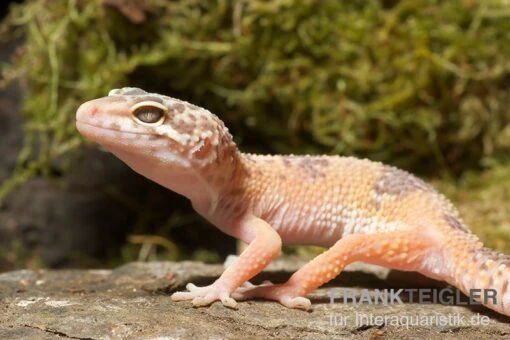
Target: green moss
420, 84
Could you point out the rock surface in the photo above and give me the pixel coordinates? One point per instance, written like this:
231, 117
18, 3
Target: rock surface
133, 302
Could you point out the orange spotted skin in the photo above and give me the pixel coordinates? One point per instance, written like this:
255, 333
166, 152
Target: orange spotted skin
318, 199
361, 210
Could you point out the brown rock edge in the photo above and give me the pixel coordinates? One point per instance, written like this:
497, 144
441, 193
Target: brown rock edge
133, 301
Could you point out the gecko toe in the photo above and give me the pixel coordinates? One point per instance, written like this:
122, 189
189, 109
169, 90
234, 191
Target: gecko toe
298, 302
286, 295
182, 296
191, 287
204, 296
227, 301
206, 300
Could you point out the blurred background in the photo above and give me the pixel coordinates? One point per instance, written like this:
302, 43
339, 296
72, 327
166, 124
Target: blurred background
421, 84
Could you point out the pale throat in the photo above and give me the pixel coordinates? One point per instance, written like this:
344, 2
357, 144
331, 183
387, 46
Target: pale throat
186, 181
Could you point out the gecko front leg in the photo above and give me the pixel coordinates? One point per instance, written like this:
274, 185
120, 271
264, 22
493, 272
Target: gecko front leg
264, 246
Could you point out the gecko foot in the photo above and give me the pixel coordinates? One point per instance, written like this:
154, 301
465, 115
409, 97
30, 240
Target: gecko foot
204, 296
280, 292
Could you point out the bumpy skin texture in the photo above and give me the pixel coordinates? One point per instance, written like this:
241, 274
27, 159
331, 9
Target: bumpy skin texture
362, 210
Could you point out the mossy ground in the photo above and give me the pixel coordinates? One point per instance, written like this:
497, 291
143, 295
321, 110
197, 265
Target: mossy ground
419, 84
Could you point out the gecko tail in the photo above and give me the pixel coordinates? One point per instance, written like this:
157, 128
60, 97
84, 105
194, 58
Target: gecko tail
482, 273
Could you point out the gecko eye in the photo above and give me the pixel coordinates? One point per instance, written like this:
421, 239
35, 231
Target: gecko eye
149, 113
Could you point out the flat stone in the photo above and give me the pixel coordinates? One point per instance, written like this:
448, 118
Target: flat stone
133, 301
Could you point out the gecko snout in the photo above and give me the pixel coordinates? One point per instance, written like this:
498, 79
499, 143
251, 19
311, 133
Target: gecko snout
85, 111
98, 110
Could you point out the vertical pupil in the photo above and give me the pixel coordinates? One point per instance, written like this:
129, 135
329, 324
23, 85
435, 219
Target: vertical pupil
149, 114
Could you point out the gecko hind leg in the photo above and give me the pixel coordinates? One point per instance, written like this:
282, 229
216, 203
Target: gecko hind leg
403, 250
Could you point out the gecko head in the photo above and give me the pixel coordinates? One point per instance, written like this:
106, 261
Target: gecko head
141, 127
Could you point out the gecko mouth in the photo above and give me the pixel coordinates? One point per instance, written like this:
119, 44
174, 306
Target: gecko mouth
83, 127
111, 139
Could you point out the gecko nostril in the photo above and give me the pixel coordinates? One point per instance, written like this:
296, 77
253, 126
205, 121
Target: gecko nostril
93, 111
86, 110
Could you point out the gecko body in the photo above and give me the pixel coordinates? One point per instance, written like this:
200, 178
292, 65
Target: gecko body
361, 210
